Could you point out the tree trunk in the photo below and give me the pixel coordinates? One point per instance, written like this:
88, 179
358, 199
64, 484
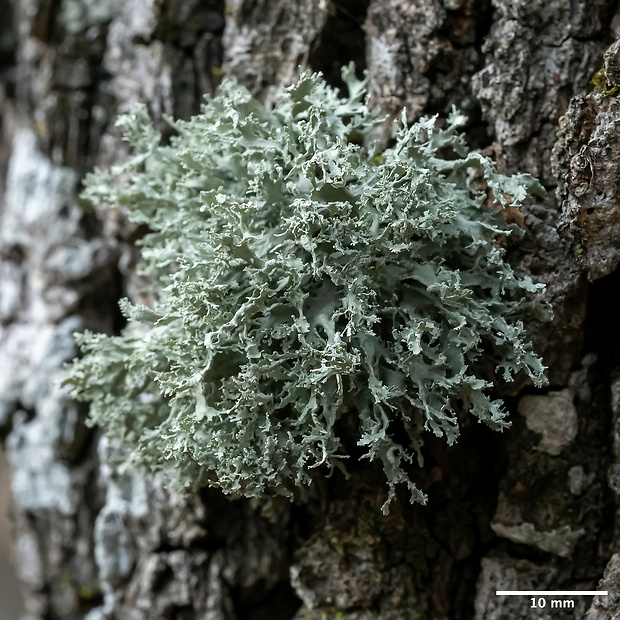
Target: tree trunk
533, 508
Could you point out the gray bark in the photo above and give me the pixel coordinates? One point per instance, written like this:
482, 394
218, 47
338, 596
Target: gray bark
533, 508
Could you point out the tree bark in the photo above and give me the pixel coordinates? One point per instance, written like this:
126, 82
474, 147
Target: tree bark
533, 508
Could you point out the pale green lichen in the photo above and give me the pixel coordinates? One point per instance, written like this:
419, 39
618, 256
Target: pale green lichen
76, 15
306, 286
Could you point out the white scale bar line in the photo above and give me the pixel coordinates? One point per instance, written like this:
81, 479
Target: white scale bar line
551, 592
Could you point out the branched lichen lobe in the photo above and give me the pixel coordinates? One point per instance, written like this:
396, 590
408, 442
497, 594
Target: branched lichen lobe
301, 275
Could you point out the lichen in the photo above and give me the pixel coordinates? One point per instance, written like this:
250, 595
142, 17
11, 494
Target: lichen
305, 283
76, 15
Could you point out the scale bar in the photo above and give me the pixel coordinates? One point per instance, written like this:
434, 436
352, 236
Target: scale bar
551, 592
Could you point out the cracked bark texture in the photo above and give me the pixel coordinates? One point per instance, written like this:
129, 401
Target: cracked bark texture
534, 508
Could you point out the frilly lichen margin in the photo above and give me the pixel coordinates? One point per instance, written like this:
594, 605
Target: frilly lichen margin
305, 282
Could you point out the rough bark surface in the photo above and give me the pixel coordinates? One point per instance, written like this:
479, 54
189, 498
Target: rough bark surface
534, 508
587, 158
